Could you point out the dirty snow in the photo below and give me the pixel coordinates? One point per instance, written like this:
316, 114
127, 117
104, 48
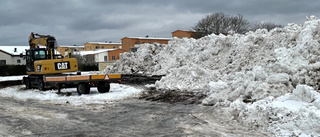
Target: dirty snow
268, 80
117, 92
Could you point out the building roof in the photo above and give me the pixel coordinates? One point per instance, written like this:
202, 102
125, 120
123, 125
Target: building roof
185, 31
83, 53
104, 43
148, 38
11, 49
72, 46
20, 49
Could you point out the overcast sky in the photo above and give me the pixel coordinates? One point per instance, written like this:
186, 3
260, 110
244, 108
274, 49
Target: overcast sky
80, 21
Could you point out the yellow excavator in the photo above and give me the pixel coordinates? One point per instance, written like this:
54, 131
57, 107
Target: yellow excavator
41, 60
46, 70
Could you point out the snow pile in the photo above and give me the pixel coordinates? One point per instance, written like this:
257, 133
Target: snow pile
252, 72
293, 114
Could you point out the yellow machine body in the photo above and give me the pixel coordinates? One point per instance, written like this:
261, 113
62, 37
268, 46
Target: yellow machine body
54, 66
41, 61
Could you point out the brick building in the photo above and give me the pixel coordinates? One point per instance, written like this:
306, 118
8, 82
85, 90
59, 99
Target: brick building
129, 42
183, 34
101, 45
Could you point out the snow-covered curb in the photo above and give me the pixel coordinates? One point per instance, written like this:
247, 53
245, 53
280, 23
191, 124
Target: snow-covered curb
10, 78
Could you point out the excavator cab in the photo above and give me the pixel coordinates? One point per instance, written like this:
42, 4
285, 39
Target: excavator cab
33, 55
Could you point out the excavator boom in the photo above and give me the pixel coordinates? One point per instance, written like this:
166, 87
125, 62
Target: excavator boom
44, 40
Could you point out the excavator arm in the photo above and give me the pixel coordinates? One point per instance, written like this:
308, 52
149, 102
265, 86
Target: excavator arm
45, 40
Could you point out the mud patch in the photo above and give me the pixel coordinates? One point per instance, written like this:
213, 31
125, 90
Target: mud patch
4, 84
173, 96
35, 113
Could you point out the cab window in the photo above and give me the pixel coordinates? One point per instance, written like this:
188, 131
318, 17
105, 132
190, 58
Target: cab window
40, 54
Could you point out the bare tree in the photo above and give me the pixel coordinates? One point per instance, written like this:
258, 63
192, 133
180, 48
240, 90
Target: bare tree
220, 23
86, 59
265, 25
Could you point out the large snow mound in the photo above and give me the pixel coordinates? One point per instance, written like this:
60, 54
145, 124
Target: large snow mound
260, 67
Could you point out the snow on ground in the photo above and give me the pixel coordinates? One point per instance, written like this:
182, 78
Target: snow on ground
117, 92
10, 78
266, 79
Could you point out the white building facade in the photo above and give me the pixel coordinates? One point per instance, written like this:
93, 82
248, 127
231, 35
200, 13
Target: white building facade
10, 55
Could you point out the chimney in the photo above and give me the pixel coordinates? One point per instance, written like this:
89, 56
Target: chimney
15, 49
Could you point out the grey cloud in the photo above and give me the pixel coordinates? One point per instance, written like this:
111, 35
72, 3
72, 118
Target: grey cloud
31, 12
94, 23
85, 20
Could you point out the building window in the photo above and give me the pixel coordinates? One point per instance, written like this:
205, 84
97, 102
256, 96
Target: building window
113, 57
18, 61
3, 62
133, 49
184, 36
114, 47
105, 58
149, 42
